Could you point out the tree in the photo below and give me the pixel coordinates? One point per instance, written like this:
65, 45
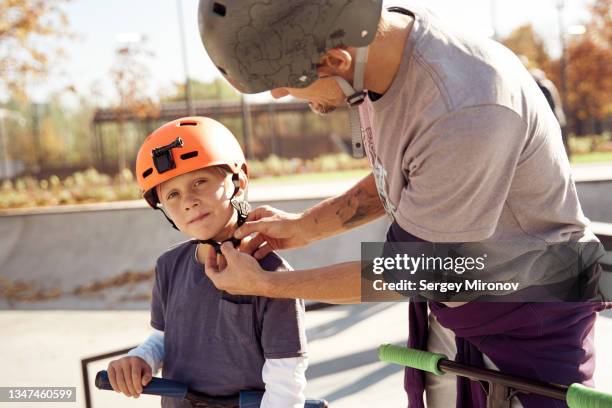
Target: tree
588, 81
131, 76
22, 55
525, 41
589, 70
601, 12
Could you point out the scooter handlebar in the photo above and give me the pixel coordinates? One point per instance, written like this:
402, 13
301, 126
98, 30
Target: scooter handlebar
580, 396
419, 359
157, 386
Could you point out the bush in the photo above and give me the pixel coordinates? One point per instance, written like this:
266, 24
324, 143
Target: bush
90, 186
591, 143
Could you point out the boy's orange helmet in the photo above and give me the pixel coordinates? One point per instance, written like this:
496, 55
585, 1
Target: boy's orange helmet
185, 145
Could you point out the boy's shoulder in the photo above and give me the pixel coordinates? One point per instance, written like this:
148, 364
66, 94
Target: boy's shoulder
176, 252
180, 251
274, 262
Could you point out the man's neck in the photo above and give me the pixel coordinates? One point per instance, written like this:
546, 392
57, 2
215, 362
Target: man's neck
386, 52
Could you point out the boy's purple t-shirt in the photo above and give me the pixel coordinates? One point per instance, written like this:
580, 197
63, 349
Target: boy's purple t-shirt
214, 342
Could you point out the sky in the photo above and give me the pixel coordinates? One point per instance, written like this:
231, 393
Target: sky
98, 24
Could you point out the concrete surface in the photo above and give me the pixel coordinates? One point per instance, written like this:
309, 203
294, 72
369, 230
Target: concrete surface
44, 348
71, 246
64, 248
586, 172
57, 250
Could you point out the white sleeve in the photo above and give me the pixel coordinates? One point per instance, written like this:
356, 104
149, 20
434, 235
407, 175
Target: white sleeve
151, 351
285, 381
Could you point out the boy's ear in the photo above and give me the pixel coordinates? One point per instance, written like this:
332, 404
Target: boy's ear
335, 61
244, 181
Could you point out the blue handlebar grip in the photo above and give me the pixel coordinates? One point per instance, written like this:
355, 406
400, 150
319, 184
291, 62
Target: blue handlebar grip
157, 386
252, 399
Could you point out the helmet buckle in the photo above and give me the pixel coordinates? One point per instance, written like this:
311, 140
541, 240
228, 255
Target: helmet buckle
356, 99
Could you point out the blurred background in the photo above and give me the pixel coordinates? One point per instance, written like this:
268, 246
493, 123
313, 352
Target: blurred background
82, 82
81, 85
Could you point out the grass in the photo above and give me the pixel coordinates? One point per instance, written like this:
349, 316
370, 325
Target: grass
313, 177
595, 157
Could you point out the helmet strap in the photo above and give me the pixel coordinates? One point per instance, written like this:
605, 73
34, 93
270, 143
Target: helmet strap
168, 218
355, 95
242, 208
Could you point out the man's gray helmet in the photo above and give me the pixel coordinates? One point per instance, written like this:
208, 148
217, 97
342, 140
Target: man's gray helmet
259, 45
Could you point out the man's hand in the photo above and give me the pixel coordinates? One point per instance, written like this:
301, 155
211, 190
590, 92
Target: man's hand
234, 272
128, 375
239, 273
273, 229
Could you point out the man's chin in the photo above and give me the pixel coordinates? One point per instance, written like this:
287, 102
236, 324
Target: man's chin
321, 110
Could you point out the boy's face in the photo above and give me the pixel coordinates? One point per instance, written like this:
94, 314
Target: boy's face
199, 203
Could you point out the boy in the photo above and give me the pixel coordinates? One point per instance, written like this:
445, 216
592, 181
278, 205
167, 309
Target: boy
194, 171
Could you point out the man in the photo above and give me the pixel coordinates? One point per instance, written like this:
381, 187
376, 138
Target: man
463, 149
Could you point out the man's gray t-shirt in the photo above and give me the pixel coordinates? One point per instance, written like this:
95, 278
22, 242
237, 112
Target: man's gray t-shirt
465, 148
214, 342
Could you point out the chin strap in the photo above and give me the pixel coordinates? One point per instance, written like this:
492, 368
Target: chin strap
242, 208
168, 218
355, 95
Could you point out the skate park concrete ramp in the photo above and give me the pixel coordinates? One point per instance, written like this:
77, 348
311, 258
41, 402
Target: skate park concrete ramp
101, 256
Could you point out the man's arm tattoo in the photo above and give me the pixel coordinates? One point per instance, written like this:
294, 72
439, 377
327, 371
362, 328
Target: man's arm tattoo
357, 208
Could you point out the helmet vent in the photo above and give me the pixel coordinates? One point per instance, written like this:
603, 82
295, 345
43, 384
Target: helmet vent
340, 33
188, 124
189, 155
147, 172
219, 9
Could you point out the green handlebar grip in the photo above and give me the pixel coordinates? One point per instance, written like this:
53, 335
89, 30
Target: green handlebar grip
580, 396
419, 359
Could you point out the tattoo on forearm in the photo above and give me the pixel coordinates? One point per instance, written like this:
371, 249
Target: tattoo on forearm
359, 206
